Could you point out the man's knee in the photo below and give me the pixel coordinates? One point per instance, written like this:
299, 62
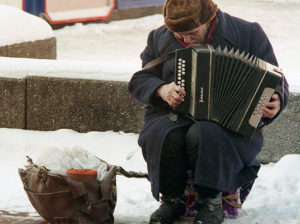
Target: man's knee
192, 136
175, 140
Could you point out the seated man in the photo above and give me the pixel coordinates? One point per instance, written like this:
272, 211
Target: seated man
172, 143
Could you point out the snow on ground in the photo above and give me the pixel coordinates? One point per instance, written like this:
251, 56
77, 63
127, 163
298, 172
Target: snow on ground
275, 197
16, 26
134, 197
111, 51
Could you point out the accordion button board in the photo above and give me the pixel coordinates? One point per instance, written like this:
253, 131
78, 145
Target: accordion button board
256, 115
181, 73
225, 86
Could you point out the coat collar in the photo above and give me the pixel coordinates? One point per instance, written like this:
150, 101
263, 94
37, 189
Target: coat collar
226, 31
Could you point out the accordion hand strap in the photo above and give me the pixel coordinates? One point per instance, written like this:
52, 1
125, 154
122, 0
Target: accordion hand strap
159, 60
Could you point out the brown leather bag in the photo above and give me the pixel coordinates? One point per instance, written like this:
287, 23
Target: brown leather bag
62, 200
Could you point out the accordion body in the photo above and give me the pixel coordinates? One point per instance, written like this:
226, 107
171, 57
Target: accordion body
225, 86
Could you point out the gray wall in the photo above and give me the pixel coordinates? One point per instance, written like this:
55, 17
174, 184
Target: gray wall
283, 135
13, 103
42, 103
41, 49
81, 105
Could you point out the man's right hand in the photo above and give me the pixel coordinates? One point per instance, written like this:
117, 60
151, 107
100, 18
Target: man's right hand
171, 93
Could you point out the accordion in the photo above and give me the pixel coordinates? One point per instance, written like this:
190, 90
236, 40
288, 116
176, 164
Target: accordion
225, 86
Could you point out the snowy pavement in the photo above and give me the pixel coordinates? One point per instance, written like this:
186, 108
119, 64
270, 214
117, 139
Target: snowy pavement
275, 197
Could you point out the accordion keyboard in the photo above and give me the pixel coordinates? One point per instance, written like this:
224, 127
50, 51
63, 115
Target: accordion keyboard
256, 115
181, 73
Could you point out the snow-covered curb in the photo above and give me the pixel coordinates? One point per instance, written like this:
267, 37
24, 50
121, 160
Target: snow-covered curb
101, 70
18, 26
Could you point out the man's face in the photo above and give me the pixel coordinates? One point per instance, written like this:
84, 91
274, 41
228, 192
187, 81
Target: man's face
195, 36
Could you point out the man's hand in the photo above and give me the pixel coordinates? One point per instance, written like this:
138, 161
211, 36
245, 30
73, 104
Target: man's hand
271, 108
171, 93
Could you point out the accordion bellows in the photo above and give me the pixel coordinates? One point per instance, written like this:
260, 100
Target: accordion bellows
226, 87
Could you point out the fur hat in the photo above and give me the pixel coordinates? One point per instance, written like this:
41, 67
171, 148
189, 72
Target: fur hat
185, 15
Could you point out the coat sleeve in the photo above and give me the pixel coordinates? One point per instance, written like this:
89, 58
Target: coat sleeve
144, 83
262, 48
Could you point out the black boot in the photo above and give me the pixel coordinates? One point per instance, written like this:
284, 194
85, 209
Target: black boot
209, 210
170, 210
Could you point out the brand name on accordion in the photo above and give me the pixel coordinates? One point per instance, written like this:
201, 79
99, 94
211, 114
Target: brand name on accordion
201, 99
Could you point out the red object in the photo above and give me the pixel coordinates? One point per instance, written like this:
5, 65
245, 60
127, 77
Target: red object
78, 19
82, 175
183, 43
211, 30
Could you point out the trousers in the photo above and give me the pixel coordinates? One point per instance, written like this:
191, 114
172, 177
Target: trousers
179, 154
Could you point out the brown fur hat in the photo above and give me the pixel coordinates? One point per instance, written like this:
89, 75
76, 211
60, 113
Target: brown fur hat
185, 15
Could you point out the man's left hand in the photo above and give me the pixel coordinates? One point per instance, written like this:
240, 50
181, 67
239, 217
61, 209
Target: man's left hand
271, 108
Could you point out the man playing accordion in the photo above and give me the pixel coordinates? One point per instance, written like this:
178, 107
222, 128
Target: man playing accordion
172, 144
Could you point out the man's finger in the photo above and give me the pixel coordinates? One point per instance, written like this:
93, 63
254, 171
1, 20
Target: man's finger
173, 105
269, 113
177, 96
176, 99
266, 113
270, 105
275, 97
180, 91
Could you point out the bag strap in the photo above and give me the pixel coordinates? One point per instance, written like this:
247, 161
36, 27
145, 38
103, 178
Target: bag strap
159, 60
120, 171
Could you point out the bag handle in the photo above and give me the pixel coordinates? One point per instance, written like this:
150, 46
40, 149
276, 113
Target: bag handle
120, 171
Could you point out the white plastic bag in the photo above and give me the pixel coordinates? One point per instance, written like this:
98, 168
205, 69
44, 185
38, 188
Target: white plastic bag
59, 160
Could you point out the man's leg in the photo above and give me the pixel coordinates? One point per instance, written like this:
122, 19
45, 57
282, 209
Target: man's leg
192, 146
208, 203
173, 164
173, 175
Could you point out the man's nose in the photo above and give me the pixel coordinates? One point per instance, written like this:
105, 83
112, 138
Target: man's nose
187, 38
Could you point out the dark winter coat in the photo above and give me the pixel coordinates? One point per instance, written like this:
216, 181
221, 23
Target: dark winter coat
225, 160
